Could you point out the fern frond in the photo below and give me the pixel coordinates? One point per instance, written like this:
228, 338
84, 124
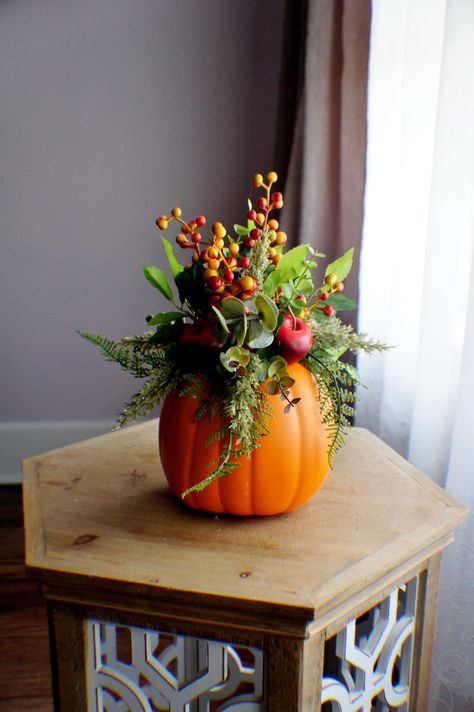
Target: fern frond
333, 399
142, 403
128, 358
217, 435
333, 334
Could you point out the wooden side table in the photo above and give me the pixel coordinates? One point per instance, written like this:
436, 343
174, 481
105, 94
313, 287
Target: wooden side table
154, 606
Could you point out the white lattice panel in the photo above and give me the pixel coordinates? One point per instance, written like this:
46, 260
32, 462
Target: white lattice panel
132, 669
372, 657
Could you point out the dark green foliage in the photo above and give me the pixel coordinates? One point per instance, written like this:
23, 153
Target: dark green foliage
126, 353
337, 398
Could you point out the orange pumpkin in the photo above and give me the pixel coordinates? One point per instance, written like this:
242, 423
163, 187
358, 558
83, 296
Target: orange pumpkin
287, 468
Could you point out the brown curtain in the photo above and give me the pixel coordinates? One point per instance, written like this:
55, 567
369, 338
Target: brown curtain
324, 96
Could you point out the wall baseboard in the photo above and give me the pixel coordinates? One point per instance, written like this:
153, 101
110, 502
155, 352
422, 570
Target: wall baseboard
20, 440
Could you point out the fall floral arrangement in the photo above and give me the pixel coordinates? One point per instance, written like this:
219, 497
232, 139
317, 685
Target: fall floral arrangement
243, 310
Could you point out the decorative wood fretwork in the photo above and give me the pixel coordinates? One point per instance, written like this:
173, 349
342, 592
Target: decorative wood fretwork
132, 669
368, 663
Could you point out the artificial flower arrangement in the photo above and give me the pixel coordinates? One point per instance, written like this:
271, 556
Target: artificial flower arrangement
246, 314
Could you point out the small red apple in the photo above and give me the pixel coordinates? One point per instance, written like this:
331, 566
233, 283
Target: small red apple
200, 334
293, 339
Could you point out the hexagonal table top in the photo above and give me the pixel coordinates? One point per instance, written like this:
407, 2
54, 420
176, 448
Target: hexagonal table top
101, 509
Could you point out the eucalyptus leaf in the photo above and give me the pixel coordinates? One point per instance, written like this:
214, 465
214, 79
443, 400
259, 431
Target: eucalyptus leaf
232, 308
342, 266
240, 331
287, 382
267, 311
257, 337
239, 354
250, 305
234, 358
157, 277
164, 318
272, 387
175, 266
277, 365
222, 320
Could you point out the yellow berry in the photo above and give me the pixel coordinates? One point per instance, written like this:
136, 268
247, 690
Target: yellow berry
219, 244
271, 252
234, 249
213, 264
276, 258
260, 219
272, 177
272, 236
246, 283
331, 279
208, 273
273, 224
212, 253
176, 212
257, 180
195, 257
281, 238
219, 230
162, 222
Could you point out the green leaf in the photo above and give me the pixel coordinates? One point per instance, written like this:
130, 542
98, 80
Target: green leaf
340, 302
315, 253
342, 266
336, 353
241, 230
234, 357
240, 331
352, 371
164, 318
250, 305
267, 311
241, 355
272, 387
277, 365
232, 308
297, 304
222, 320
257, 337
175, 267
159, 280
290, 266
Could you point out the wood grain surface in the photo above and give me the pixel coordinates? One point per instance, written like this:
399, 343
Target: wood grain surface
102, 509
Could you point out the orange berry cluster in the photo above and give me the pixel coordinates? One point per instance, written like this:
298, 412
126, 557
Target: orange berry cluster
224, 264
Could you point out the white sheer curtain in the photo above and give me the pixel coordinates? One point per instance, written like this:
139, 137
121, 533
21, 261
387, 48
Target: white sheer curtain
417, 282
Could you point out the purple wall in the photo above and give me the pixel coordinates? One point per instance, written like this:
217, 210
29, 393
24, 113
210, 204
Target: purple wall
112, 112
